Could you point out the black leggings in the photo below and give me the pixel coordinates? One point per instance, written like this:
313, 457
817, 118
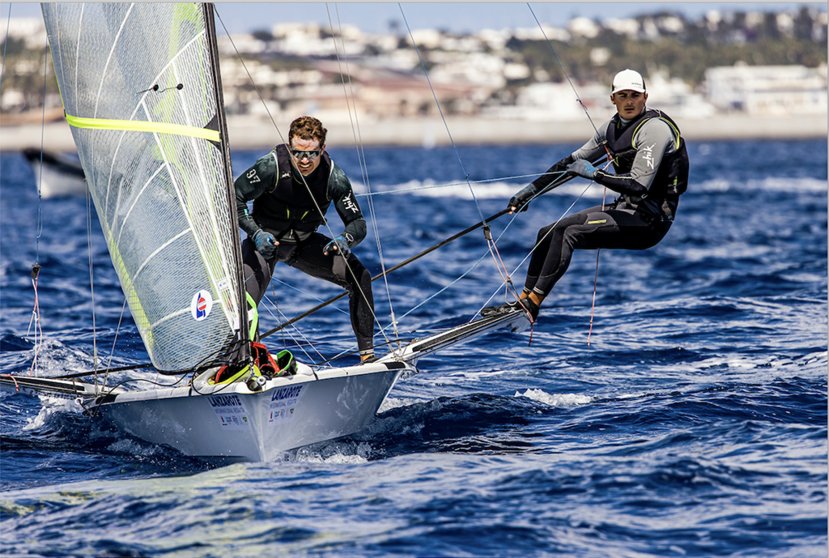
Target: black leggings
587, 230
307, 257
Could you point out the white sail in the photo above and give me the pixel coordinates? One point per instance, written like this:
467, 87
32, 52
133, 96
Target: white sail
140, 92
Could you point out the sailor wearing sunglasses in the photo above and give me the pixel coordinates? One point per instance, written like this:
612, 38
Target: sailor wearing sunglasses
291, 188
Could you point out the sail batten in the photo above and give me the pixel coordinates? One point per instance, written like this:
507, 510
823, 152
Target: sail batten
156, 172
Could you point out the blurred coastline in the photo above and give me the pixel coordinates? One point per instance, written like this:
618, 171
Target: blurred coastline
247, 132
733, 74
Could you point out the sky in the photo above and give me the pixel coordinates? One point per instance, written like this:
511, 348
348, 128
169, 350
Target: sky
374, 17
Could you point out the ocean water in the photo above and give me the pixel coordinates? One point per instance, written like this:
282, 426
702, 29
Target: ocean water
694, 423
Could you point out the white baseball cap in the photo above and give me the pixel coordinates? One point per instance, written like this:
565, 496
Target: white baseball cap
628, 79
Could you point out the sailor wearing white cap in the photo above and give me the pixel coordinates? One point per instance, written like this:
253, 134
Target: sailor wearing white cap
650, 165
628, 80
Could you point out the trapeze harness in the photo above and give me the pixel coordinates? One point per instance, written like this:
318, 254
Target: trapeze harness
671, 180
289, 206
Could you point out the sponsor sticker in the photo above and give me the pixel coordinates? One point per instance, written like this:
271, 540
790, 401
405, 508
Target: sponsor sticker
201, 305
230, 412
284, 403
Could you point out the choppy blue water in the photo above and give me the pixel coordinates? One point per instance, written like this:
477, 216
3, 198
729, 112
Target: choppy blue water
694, 424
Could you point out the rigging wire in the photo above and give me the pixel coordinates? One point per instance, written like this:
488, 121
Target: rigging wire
361, 157
493, 249
542, 239
309, 295
316, 205
299, 332
562, 69
36, 267
92, 285
609, 159
445, 124
464, 274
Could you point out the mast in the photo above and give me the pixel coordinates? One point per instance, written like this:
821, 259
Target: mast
243, 351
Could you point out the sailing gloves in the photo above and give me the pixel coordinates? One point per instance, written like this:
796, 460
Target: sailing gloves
265, 243
519, 201
583, 168
338, 244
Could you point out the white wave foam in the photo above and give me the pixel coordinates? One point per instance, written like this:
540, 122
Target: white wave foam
768, 184
393, 403
487, 190
503, 189
130, 447
51, 406
334, 453
557, 400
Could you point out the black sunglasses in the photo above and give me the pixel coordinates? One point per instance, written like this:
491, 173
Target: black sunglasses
300, 154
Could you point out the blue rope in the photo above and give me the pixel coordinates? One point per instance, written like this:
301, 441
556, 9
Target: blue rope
429, 81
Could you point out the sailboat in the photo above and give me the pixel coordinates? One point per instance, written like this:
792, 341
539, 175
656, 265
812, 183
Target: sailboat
141, 91
57, 174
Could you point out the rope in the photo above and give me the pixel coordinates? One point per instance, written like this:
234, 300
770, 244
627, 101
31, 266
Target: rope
595, 280
609, 159
305, 183
539, 242
361, 158
38, 332
451, 139
562, 69
486, 230
305, 293
296, 344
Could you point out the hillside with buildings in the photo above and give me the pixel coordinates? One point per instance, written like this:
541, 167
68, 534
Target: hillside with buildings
754, 65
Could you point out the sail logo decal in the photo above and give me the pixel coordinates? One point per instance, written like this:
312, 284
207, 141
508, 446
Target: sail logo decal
284, 403
200, 305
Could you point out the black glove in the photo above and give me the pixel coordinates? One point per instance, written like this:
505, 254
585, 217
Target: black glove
339, 244
265, 243
519, 200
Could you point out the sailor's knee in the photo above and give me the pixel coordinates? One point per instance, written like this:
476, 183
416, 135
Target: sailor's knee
544, 232
573, 237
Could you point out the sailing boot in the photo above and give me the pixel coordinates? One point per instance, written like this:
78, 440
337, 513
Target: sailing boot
367, 356
531, 306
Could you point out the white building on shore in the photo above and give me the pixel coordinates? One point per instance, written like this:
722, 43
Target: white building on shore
768, 90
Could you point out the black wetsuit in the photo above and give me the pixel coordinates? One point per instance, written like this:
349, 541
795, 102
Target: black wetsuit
651, 165
284, 207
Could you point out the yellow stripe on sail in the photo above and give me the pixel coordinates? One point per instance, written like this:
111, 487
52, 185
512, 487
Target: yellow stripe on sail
142, 126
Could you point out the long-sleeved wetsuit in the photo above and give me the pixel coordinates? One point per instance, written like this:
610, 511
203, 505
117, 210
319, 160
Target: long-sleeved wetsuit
291, 207
643, 214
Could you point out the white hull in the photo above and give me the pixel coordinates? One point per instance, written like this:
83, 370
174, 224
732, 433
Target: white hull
233, 423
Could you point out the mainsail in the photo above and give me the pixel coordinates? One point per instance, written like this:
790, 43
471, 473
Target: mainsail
140, 88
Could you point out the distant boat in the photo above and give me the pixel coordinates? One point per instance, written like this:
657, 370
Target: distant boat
60, 175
